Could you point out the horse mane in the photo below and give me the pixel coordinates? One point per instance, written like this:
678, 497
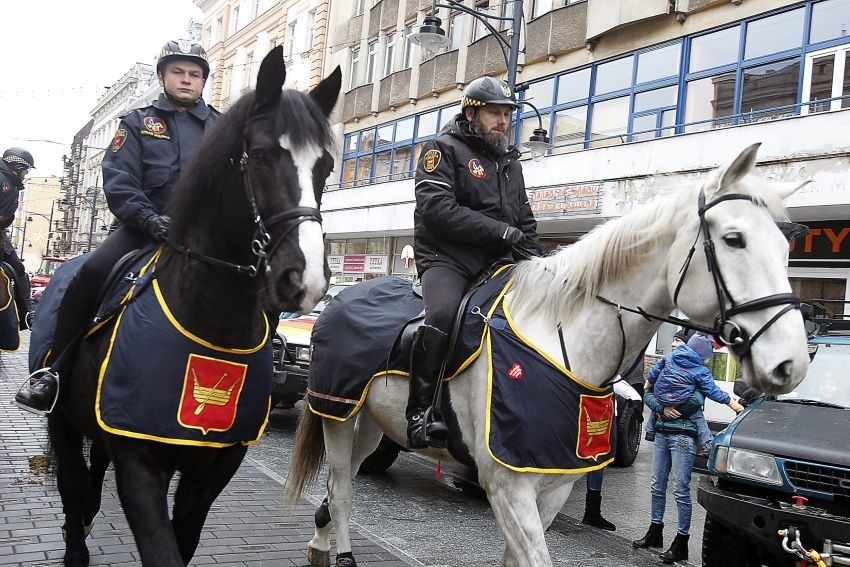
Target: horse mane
573, 275
218, 154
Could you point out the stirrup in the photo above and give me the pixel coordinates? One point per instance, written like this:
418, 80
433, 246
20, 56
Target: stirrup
28, 382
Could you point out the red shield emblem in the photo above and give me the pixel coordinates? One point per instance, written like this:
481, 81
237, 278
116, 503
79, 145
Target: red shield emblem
211, 389
118, 139
515, 371
595, 415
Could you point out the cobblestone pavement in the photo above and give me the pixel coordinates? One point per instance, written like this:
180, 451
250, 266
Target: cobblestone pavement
405, 516
246, 526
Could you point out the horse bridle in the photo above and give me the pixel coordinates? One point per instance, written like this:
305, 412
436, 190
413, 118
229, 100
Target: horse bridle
262, 239
727, 331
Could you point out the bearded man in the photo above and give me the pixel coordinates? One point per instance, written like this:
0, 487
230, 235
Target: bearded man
471, 209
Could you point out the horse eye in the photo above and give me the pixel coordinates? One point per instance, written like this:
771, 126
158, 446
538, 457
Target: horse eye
735, 240
259, 156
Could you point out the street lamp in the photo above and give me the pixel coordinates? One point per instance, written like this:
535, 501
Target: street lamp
430, 36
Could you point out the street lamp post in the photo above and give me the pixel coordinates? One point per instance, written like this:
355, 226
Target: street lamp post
430, 36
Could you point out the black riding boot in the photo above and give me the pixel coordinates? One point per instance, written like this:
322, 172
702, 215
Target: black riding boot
678, 549
39, 395
654, 537
593, 513
424, 429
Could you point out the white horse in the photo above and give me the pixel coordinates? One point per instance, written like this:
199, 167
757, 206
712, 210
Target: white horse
654, 257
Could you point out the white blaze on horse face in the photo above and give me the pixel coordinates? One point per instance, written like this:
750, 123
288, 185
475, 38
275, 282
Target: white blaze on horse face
310, 237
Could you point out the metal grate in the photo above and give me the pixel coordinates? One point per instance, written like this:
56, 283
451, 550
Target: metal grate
817, 477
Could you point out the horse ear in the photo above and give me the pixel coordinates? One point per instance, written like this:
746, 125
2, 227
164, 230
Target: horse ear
326, 93
271, 77
787, 188
732, 173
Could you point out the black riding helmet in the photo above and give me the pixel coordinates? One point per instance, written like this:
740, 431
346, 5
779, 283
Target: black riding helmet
18, 159
487, 90
185, 49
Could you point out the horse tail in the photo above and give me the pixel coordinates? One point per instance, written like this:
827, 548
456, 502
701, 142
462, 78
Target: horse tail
308, 455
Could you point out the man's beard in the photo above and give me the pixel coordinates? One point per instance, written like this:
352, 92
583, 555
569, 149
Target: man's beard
496, 141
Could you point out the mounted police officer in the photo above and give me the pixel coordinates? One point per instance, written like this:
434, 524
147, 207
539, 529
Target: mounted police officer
140, 168
14, 167
471, 209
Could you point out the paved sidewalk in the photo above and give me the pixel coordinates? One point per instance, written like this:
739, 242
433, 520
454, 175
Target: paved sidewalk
246, 526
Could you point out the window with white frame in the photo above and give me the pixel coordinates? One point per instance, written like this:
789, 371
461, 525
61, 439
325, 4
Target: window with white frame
359, 6
455, 31
826, 80
481, 30
289, 47
234, 20
541, 7
408, 46
218, 30
389, 54
256, 9
311, 23
354, 69
371, 54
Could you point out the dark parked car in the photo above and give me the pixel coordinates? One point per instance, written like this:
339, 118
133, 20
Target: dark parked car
780, 472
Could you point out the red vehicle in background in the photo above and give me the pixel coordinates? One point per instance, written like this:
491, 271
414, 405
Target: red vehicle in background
41, 278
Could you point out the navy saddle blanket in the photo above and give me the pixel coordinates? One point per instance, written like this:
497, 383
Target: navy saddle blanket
542, 418
10, 335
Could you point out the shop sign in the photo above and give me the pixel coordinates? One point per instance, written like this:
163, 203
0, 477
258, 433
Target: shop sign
827, 244
376, 264
558, 201
335, 263
354, 263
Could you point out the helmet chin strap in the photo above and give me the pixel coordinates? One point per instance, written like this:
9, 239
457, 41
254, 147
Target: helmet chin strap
176, 102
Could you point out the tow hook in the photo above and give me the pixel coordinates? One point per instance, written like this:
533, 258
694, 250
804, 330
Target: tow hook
833, 554
799, 501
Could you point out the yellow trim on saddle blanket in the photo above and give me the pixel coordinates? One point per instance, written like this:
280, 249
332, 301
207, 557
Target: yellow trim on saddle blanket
194, 338
14, 305
8, 286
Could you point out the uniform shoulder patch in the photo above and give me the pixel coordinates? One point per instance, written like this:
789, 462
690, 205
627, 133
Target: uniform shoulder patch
118, 139
154, 125
6, 187
476, 169
431, 160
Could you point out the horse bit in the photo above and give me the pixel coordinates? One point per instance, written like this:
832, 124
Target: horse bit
262, 239
728, 332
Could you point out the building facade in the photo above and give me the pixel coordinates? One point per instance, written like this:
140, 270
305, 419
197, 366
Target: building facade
237, 35
635, 96
36, 220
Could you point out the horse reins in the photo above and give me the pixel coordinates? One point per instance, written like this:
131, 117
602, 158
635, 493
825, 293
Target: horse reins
728, 332
262, 239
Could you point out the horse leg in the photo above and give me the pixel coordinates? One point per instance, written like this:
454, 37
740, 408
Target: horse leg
196, 493
339, 443
71, 474
513, 498
98, 463
142, 474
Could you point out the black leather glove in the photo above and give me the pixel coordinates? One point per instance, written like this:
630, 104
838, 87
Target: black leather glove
512, 235
157, 226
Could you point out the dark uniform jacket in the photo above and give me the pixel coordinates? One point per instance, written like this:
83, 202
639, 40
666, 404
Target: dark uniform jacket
10, 189
144, 160
466, 197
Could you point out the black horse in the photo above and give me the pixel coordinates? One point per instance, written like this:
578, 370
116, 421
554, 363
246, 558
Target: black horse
245, 238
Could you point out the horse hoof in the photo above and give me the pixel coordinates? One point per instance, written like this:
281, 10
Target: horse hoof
318, 558
76, 557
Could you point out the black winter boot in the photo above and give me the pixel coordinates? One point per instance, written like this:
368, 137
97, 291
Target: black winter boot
678, 549
654, 537
593, 514
424, 429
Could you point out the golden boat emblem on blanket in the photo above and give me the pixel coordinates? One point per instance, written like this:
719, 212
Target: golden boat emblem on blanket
211, 389
594, 425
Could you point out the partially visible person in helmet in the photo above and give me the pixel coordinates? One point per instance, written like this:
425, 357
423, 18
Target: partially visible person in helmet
14, 167
471, 210
140, 168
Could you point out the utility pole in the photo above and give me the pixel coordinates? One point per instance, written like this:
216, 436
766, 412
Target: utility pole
23, 237
49, 229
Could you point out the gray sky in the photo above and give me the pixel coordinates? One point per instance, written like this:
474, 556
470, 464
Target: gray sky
59, 56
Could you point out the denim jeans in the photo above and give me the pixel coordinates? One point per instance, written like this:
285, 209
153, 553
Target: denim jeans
594, 480
673, 453
706, 437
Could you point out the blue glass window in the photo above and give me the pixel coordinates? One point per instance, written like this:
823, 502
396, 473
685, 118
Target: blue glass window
659, 63
427, 124
574, 86
614, 75
830, 20
774, 34
715, 49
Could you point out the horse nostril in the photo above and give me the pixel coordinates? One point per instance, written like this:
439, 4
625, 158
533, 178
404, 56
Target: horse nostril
290, 285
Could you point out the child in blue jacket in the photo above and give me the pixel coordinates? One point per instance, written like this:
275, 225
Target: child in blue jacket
676, 377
